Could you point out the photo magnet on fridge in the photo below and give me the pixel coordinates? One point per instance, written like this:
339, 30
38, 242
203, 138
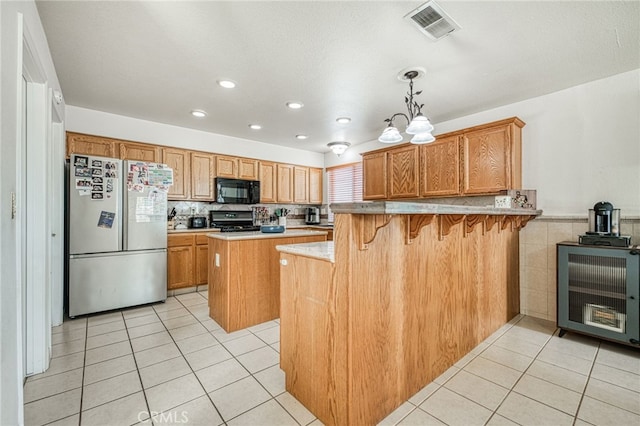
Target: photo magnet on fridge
96, 180
83, 172
106, 219
81, 161
96, 196
96, 163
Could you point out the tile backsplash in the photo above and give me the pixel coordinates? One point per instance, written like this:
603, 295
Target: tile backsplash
186, 209
538, 259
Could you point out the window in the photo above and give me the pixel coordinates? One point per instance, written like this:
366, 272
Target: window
345, 184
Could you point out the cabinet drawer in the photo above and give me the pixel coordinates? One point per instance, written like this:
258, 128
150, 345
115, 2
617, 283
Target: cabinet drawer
202, 239
180, 240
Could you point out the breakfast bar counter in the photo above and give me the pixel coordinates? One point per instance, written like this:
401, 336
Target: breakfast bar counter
410, 289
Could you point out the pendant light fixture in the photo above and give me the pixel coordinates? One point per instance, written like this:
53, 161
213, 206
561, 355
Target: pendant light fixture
417, 124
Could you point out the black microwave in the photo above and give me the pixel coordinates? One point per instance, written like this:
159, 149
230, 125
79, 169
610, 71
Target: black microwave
237, 191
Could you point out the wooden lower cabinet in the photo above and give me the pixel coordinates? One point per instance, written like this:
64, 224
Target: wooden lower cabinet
244, 279
187, 257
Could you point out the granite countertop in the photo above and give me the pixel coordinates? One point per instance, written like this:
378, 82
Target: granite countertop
321, 250
407, 207
256, 235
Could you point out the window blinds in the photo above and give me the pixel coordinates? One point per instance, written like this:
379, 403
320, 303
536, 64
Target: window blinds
345, 184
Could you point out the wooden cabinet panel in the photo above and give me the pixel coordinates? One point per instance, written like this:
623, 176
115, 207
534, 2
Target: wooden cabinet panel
140, 152
179, 267
486, 160
201, 267
374, 176
440, 167
226, 166
178, 160
300, 184
247, 169
177, 240
268, 182
202, 174
285, 183
78, 143
403, 172
315, 186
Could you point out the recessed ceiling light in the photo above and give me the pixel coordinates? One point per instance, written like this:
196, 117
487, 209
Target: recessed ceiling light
343, 120
255, 126
295, 105
301, 137
198, 113
227, 84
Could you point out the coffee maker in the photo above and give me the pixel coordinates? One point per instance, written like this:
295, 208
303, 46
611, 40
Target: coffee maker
312, 216
604, 227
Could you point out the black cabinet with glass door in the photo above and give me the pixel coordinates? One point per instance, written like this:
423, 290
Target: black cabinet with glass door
599, 292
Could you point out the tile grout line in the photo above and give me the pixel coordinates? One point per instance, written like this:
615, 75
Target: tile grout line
135, 361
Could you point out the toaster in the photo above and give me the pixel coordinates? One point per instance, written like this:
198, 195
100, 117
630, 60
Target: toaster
197, 222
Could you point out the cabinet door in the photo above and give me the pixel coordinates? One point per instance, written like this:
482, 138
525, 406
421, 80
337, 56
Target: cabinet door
486, 160
247, 169
77, 143
300, 184
226, 166
374, 176
403, 172
202, 254
440, 168
268, 182
140, 152
285, 183
179, 267
315, 186
202, 173
178, 160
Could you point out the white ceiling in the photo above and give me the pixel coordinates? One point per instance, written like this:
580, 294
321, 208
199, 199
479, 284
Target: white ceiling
159, 60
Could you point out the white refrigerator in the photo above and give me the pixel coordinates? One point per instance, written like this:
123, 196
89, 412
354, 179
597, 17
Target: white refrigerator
117, 233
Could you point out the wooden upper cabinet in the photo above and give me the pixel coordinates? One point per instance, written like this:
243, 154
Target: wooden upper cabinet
440, 167
268, 182
226, 166
78, 143
247, 169
285, 183
202, 176
300, 184
315, 186
403, 172
140, 152
374, 176
492, 159
179, 161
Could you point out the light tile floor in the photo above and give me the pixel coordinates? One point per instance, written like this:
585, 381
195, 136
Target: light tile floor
171, 364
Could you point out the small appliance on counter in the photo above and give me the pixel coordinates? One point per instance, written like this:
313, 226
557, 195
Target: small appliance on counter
604, 227
197, 222
312, 216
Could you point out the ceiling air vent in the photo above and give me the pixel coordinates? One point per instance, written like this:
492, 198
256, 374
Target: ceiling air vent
432, 20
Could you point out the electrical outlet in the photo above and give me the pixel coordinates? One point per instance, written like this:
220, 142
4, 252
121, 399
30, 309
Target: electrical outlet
13, 205
217, 260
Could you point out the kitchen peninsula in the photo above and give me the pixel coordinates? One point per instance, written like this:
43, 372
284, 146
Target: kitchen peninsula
244, 276
404, 291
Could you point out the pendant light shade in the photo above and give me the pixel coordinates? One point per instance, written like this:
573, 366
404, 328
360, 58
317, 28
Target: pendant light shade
419, 124
421, 138
390, 135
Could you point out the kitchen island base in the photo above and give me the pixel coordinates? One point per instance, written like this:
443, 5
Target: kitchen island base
407, 297
244, 276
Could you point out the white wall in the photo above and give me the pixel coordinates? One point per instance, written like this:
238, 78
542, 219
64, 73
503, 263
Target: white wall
580, 145
16, 18
99, 123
